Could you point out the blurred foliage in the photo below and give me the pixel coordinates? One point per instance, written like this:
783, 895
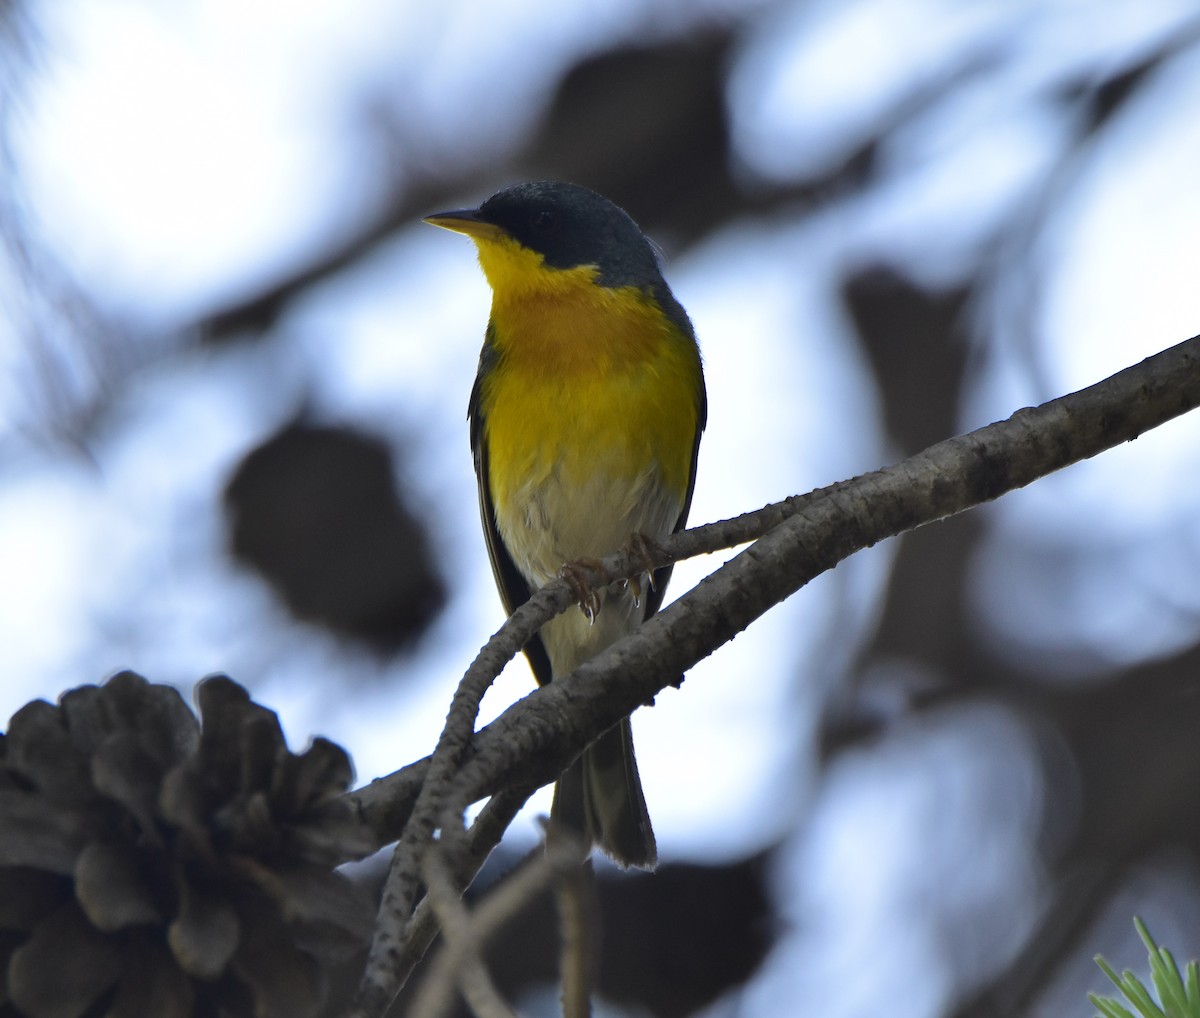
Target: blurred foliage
316, 512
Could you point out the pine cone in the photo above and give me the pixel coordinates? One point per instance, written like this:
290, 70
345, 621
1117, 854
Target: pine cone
151, 865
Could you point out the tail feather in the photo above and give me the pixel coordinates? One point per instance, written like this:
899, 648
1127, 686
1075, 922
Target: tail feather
600, 795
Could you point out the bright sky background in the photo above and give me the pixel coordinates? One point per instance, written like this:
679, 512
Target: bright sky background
171, 159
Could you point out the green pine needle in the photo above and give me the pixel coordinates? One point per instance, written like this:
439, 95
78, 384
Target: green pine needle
1109, 1008
1179, 1000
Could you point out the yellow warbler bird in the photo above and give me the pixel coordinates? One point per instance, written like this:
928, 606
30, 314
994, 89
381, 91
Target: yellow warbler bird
585, 425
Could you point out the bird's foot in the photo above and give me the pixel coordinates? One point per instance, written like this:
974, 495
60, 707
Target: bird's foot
578, 574
645, 551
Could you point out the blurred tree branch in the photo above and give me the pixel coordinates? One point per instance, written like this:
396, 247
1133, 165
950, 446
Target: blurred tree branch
794, 541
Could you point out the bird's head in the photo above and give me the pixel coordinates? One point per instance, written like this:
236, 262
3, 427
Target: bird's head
545, 235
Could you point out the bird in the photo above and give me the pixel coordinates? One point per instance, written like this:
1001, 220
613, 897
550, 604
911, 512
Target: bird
585, 422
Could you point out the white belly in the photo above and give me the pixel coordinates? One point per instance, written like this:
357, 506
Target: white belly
551, 523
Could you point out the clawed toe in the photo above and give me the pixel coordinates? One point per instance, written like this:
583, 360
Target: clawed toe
646, 551
578, 576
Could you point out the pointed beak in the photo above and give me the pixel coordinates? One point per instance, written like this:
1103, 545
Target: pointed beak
466, 221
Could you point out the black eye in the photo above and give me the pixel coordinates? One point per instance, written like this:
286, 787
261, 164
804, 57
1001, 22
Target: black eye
543, 221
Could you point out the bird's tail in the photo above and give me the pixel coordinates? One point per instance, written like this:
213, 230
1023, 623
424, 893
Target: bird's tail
600, 795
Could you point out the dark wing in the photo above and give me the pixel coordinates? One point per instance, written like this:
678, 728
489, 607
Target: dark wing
662, 576
513, 587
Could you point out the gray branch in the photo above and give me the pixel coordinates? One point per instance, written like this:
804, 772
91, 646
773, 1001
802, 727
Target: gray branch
794, 542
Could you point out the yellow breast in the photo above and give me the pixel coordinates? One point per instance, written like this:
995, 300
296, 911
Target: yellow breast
591, 411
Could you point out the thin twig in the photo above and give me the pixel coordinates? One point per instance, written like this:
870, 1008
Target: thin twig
414, 940
512, 896
402, 887
575, 892
461, 960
